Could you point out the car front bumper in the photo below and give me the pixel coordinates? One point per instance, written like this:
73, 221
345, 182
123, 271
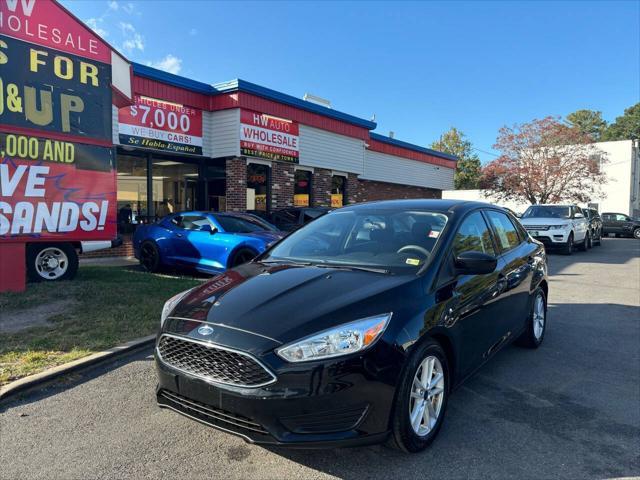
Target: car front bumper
551, 238
310, 405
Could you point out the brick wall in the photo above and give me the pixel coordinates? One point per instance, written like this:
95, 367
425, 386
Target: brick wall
236, 184
282, 177
368, 190
321, 186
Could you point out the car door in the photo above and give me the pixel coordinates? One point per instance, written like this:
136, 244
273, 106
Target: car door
515, 261
471, 303
195, 241
580, 223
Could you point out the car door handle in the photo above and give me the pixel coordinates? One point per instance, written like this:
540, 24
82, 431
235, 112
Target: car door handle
179, 235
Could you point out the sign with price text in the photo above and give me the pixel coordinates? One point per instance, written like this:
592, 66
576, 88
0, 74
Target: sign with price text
160, 125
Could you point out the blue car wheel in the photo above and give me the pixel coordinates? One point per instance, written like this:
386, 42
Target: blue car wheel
150, 257
243, 255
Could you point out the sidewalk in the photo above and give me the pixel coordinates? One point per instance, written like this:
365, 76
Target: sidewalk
109, 261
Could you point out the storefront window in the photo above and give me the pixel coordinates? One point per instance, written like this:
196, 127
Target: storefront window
338, 191
302, 188
132, 191
174, 186
257, 187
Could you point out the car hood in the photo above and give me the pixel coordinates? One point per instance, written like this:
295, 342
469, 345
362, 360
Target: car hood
283, 303
544, 221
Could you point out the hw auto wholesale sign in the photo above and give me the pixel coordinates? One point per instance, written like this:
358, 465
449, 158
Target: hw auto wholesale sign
57, 176
268, 137
161, 125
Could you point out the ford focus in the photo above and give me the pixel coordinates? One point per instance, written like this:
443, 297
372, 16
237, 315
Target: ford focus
356, 328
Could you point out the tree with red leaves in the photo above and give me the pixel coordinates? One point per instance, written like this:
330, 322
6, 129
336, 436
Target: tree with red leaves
545, 161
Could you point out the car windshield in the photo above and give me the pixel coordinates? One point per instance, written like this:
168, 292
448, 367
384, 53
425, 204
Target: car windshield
233, 224
547, 211
387, 239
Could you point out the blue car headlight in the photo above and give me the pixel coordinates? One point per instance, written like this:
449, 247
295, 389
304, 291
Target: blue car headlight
337, 341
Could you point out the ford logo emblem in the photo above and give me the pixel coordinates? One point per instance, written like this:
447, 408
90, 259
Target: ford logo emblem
205, 330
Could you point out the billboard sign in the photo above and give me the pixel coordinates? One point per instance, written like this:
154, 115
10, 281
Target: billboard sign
268, 137
51, 190
161, 125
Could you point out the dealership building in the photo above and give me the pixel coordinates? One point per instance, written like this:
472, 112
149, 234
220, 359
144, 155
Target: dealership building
238, 146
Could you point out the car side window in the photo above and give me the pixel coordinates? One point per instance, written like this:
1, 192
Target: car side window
473, 236
621, 218
194, 222
506, 233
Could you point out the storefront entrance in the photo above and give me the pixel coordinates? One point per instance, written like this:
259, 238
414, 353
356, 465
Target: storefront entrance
152, 185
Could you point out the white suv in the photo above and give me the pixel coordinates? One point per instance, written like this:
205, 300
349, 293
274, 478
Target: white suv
558, 226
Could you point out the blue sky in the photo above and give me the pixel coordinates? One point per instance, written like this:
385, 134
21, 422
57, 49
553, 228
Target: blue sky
420, 67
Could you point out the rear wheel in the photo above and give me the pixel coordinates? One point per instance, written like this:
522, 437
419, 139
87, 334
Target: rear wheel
597, 239
537, 323
51, 261
244, 255
586, 243
421, 398
150, 257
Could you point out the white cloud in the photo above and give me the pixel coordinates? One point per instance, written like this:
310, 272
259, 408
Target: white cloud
169, 63
193, 32
92, 23
132, 39
128, 8
113, 5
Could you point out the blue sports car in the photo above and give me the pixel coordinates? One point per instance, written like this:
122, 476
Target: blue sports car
205, 241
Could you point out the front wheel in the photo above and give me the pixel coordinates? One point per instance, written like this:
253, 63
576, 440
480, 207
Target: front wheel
421, 398
568, 247
150, 257
48, 262
636, 233
536, 323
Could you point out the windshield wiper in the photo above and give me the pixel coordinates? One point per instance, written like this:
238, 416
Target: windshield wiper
352, 267
285, 262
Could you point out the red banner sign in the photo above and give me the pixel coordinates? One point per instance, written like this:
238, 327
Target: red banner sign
161, 125
47, 23
269, 137
53, 190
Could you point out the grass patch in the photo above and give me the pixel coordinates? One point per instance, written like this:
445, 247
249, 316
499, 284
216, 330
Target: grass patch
108, 306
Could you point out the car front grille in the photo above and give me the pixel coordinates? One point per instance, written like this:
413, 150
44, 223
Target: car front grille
209, 414
213, 362
536, 227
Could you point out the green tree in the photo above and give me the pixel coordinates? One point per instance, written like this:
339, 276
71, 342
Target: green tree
588, 122
626, 127
468, 169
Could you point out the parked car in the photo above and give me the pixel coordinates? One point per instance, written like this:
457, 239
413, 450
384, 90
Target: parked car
595, 225
355, 328
208, 242
558, 226
290, 219
620, 225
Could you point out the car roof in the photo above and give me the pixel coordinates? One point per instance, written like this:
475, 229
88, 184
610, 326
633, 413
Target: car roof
437, 205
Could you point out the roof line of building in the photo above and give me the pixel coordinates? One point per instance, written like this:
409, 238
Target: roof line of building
411, 146
239, 85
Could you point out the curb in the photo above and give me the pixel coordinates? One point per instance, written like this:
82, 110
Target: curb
32, 381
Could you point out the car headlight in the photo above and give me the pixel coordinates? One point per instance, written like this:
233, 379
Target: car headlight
170, 304
341, 340
559, 227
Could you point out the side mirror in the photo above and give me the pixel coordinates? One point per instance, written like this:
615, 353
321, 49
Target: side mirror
578, 215
475, 263
208, 228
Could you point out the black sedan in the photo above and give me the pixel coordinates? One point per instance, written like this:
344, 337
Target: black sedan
356, 328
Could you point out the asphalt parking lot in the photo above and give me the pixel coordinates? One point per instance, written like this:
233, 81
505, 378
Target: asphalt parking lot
568, 410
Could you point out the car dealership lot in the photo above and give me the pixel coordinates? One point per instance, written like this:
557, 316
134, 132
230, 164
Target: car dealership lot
569, 409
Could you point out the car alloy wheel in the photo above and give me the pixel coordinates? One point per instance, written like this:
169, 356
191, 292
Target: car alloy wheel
427, 395
51, 263
539, 316
636, 233
149, 257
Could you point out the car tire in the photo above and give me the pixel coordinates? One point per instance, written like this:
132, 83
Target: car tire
584, 246
150, 258
242, 256
533, 334
636, 233
568, 247
412, 398
597, 240
50, 262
